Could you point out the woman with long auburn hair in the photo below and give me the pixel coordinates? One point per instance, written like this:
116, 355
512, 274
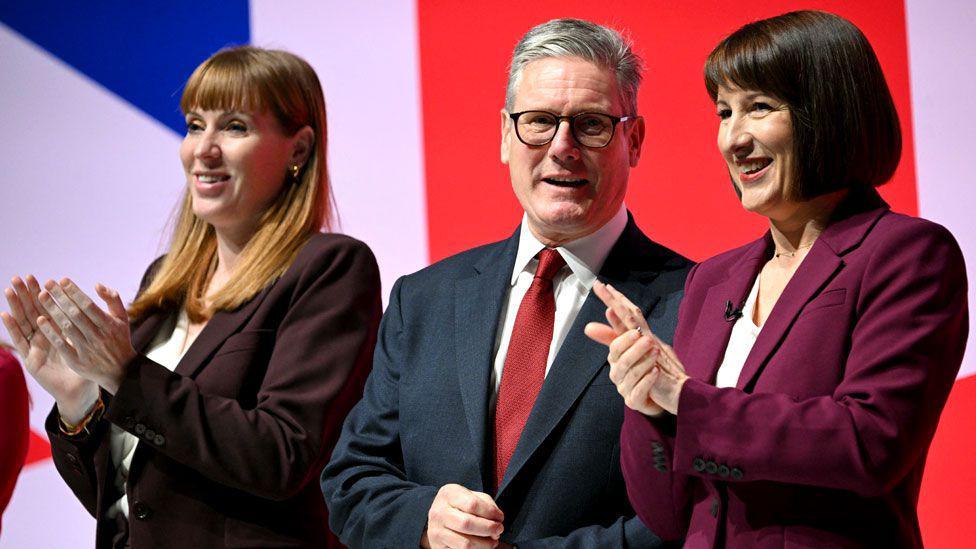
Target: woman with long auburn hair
202, 415
15, 432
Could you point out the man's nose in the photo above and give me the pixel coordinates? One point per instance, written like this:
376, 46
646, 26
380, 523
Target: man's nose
564, 145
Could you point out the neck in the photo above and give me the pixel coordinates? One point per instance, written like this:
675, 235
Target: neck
229, 249
801, 229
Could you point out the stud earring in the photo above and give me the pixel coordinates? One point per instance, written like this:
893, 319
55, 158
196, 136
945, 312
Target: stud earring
294, 171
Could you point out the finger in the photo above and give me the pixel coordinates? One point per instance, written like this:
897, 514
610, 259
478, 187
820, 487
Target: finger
114, 303
66, 329
50, 330
642, 390
600, 290
18, 315
614, 320
472, 525
628, 356
621, 343
80, 322
31, 289
95, 314
450, 538
638, 371
601, 333
467, 501
630, 314
16, 335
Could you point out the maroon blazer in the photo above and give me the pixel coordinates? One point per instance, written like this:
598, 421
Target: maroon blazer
823, 441
231, 444
14, 429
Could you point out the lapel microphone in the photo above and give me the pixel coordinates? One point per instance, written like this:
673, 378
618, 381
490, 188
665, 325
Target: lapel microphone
733, 314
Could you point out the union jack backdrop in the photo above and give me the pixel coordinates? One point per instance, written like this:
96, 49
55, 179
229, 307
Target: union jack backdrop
90, 125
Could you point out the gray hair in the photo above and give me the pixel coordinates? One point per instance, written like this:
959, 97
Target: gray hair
600, 45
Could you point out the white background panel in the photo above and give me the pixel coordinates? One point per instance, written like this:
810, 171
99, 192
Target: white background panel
88, 185
942, 50
365, 54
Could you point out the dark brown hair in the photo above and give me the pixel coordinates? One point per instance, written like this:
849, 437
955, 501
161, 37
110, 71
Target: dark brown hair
845, 128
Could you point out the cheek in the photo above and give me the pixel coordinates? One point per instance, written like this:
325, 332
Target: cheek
186, 153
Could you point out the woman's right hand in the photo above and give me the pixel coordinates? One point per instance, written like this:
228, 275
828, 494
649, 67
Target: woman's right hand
74, 394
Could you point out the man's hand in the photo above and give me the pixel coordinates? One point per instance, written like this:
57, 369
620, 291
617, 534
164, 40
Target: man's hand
459, 517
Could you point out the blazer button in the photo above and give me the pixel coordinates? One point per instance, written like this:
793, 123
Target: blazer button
723, 470
661, 467
140, 428
711, 468
141, 511
160, 440
71, 459
698, 465
128, 422
150, 435
657, 446
736, 473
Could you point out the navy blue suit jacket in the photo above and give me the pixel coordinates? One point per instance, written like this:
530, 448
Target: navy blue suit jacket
424, 419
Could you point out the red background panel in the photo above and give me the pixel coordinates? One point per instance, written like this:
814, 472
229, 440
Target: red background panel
680, 193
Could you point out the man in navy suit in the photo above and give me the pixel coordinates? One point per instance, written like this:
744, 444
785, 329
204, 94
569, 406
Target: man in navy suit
489, 418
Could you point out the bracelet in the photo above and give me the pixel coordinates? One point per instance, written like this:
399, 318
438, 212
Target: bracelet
91, 417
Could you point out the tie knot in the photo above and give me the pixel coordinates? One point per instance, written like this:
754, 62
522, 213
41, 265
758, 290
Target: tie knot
549, 264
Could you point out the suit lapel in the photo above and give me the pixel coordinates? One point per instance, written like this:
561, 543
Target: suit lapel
818, 267
477, 304
712, 331
221, 326
579, 359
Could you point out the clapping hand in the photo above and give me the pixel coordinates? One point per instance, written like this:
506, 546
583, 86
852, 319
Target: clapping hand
645, 370
94, 343
73, 393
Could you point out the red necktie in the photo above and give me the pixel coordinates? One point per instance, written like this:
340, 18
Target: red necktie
525, 362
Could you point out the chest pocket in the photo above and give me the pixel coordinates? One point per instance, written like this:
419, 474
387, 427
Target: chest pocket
238, 368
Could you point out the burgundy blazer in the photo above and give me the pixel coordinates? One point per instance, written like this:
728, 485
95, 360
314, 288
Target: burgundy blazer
232, 442
823, 441
14, 429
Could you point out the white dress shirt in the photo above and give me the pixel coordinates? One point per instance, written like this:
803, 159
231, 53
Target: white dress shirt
584, 259
167, 348
743, 338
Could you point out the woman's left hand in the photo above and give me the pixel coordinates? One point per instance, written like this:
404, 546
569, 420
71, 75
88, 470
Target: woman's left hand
93, 343
662, 382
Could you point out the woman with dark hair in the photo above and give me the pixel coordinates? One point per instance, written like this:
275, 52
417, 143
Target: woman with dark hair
809, 367
203, 415
15, 433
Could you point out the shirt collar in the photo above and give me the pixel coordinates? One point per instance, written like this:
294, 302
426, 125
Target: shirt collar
585, 256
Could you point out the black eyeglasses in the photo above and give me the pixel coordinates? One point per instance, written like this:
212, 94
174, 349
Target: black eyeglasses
590, 129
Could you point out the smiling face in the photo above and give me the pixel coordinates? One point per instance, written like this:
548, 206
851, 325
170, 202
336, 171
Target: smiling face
569, 191
755, 137
236, 164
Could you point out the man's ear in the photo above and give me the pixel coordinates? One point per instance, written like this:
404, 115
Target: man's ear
635, 139
506, 130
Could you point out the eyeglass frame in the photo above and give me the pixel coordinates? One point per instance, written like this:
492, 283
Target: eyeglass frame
572, 131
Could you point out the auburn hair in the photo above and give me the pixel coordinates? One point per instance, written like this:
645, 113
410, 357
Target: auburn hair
248, 79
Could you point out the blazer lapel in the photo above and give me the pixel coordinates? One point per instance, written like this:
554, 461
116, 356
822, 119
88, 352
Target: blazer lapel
220, 327
854, 219
477, 304
579, 359
713, 330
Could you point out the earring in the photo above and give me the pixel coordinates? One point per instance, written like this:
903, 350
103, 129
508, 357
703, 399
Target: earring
294, 171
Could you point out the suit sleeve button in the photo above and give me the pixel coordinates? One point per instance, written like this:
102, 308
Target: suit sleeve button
140, 428
723, 470
661, 467
736, 473
711, 468
150, 434
160, 440
698, 464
